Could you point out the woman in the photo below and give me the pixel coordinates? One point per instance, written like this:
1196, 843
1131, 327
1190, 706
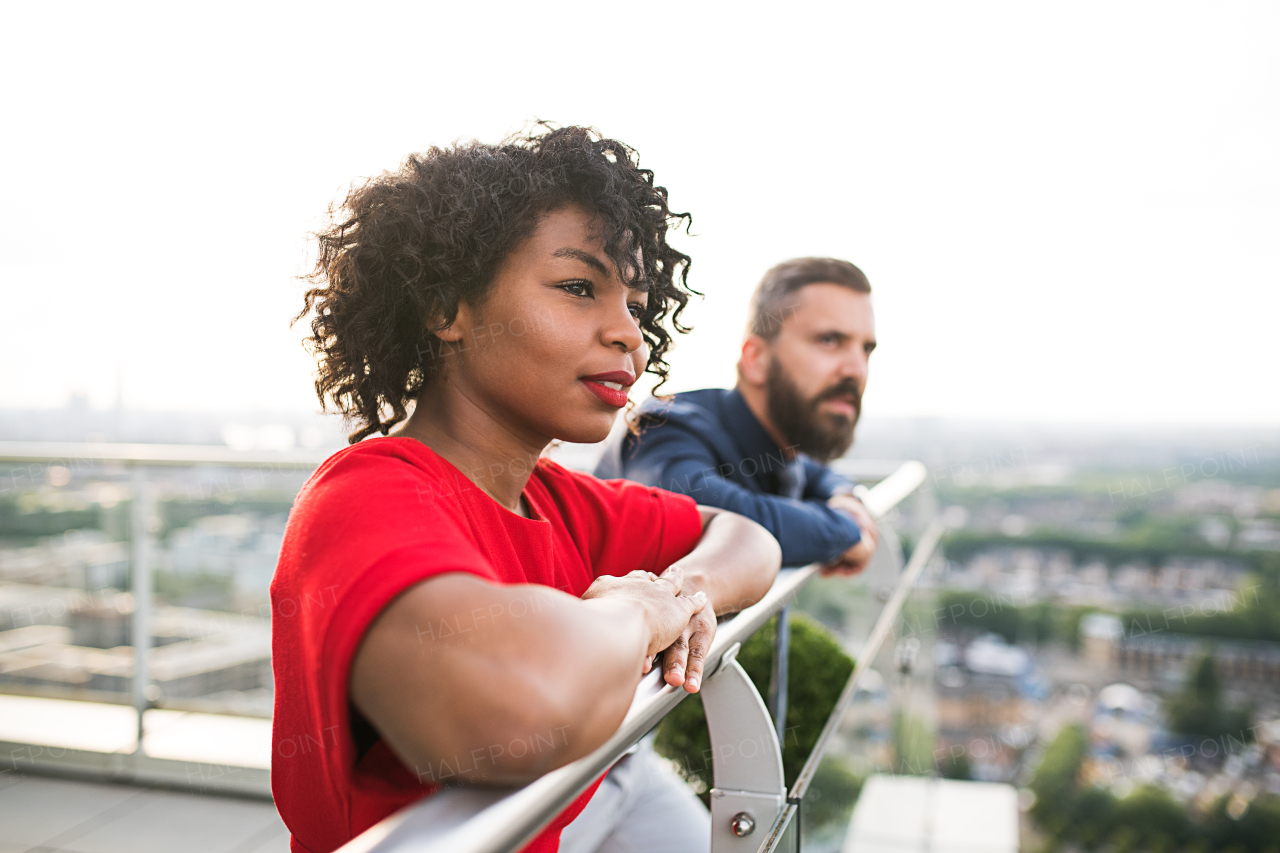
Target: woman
449, 606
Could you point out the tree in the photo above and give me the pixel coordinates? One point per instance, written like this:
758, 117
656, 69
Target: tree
1258, 829
1153, 820
1056, 782
1198, 709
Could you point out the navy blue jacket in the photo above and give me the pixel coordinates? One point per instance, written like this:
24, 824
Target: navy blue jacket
708, 445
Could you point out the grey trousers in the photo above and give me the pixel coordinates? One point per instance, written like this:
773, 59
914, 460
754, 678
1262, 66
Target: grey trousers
642, 806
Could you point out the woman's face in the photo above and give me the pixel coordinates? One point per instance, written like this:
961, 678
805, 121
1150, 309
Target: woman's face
553, 349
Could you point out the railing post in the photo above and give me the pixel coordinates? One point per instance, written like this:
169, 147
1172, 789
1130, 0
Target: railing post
140, 586
746, 762
778, 677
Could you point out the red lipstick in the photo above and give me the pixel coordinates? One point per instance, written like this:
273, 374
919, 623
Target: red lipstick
611, 387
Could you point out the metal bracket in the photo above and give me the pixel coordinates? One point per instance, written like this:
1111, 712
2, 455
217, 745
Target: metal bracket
750, 789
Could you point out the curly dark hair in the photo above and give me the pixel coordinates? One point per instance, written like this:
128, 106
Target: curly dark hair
408, 247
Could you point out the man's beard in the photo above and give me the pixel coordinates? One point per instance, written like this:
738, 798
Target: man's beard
822, 435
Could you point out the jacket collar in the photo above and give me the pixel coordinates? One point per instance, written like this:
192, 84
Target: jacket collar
754, 442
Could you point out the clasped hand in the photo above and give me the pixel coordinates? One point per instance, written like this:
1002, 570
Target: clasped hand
856, 558
681, 622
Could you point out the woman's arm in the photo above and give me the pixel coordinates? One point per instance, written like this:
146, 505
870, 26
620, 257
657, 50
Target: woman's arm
471, 681
734, 563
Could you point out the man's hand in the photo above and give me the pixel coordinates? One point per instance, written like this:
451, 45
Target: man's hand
857, 557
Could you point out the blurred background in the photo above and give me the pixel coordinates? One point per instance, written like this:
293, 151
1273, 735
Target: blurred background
1068, 214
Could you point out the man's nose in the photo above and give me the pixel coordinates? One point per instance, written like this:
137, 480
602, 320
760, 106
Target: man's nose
855, 366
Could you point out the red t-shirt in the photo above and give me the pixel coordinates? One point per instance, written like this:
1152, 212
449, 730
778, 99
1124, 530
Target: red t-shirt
377, 518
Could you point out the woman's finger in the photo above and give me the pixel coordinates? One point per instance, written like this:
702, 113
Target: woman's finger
699, 645
673, 659
672, 615
673, 575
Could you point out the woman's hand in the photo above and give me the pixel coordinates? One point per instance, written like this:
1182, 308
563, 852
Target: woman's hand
682, 662
668, 614
734, 563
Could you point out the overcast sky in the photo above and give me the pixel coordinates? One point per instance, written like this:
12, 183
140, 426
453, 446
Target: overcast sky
1068, 212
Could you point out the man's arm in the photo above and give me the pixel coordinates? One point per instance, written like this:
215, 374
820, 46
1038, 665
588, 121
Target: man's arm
824, 484
821, 481
673, 458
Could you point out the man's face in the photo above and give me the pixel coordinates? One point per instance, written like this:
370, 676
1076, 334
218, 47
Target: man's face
818, 368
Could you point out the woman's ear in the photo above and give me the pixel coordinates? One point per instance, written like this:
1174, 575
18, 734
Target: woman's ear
455, 330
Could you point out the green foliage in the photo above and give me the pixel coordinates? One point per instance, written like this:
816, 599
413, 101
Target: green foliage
912, 746
24, 522
817, 671
1258, 829
1056, 782
1254, 616
1092, 816
1146, 546
181, 512
1038, 623
1198, 708
201, 589
1147, 820
831, 795
955, 767
1151, 820
24, 518
1142, 530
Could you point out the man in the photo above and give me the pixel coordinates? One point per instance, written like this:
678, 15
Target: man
761, 448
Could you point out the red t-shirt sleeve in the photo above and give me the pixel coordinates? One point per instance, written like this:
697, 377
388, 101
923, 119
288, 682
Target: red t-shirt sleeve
386, 538
626, 526
360, 535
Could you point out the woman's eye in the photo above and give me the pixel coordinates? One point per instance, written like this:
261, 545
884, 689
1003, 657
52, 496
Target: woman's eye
577, 288
637, 309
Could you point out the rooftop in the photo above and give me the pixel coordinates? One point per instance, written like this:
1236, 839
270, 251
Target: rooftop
48, 815
903, 814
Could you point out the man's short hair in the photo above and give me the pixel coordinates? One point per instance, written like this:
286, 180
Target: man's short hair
772, 298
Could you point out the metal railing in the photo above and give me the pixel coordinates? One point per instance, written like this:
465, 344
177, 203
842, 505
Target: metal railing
493, 820
137, 459
748, 794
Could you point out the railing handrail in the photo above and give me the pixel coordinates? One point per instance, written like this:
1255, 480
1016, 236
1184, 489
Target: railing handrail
79, 452
139, 453
487, 820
